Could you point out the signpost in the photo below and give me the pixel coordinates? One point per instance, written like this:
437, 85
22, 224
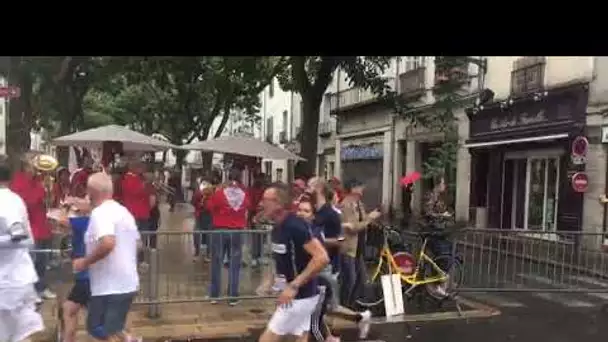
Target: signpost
11, 92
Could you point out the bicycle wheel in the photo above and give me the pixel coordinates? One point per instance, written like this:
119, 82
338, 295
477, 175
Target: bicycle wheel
453, 268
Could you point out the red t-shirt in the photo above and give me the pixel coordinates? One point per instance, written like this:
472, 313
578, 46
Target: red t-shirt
228, 207
255, 194
78, 184
135, 196
31, 190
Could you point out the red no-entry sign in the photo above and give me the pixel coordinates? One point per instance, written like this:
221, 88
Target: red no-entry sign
11, 92
580, 182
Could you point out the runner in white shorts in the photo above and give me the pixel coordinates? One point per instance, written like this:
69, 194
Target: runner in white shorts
298, 257
18, 317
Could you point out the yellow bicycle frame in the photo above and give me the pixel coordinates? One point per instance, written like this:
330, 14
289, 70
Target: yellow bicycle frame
386, 255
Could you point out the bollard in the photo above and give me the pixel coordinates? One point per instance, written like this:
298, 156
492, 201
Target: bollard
154, 307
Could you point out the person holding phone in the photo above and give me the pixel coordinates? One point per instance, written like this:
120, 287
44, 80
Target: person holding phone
355, 223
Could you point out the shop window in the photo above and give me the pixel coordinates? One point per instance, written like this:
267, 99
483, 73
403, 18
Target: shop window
530, 193
528, 75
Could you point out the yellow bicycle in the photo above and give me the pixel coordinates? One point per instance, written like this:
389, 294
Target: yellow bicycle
430, 273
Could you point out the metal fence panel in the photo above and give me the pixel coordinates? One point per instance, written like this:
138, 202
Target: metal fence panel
533, 261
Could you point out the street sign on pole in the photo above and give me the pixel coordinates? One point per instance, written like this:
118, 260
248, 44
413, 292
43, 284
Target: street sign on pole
11, 92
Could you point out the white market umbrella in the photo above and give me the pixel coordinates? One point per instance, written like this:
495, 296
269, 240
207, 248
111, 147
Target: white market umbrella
131, 140
244, 146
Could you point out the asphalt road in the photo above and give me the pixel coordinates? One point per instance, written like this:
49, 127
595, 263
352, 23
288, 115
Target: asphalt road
513, 325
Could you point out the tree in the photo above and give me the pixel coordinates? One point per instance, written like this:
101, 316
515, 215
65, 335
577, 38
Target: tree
36, 77
451, 75
181, 97
310, 76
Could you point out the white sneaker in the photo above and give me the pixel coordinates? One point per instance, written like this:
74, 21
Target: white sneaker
441, 290
48, 294
364, 323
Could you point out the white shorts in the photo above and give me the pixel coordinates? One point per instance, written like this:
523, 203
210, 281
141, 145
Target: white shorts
295, 319
21, 320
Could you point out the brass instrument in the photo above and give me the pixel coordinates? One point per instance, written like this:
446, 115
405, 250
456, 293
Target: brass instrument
46, 165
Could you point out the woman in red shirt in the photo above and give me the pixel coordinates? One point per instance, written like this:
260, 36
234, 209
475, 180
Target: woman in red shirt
61, 186
135, 196
29, 186
228, 206
201, 195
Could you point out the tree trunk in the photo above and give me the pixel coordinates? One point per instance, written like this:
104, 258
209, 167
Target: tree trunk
309, 137
207, 158
180, 157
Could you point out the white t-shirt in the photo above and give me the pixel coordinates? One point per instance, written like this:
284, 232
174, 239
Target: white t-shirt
16, 266
117, 272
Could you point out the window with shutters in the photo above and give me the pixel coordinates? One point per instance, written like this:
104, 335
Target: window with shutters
413, 62
528, 75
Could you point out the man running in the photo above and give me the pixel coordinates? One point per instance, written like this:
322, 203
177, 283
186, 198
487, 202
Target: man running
298, 259
18, 317
111, 258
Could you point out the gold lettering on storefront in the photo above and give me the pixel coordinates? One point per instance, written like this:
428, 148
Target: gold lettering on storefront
522, 119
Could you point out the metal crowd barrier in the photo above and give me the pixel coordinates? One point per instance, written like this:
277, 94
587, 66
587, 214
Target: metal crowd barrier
495, 260
171, 273
490, 261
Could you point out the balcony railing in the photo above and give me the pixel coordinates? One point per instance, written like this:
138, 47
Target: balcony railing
411, 83
350, 97
325, 128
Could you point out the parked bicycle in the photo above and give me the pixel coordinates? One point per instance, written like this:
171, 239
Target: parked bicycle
427, 272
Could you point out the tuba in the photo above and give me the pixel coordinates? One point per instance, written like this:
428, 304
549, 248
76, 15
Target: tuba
46, 165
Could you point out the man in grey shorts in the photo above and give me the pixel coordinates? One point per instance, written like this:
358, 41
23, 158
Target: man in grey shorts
111, 242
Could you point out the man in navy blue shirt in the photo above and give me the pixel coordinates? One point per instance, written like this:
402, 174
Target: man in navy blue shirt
81, 292
298, 257
329, 224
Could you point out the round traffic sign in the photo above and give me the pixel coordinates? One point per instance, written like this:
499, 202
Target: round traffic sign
580, 182
580, 146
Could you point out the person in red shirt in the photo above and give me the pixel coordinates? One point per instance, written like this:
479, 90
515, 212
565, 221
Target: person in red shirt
200, 197
228, 206
255, 193
61, 186
135, 196
29, 186
78, 186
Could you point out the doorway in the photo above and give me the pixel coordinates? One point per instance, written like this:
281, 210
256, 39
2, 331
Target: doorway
530, 192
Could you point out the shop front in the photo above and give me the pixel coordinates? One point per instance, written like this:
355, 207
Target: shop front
364, 163
528, 159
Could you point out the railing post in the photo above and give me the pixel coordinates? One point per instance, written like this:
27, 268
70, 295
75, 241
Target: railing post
154, 307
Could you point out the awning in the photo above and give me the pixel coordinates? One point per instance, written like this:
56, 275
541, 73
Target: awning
516, 141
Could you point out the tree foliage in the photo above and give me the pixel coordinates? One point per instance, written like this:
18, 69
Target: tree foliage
180, 97
177, 96
310, 77
451, 75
